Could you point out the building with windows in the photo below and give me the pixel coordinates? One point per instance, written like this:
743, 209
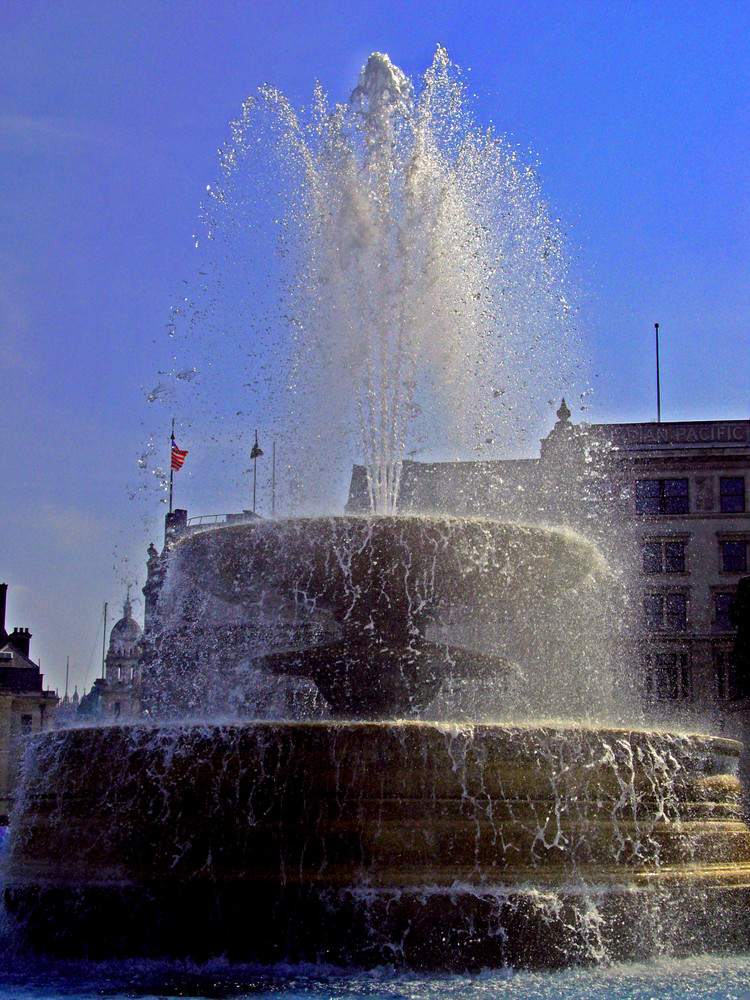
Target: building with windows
116, 696
668, 502
26, 707
687, 510
121, 691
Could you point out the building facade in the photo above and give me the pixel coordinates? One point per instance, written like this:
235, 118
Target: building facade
121, 691
116, 697
686, 500
26, 708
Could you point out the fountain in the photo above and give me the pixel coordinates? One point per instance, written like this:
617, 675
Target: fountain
384, 832
368, 837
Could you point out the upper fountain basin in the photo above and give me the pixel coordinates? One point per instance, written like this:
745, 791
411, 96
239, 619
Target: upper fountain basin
377, 610
386, 573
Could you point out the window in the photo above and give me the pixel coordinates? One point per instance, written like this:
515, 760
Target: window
667, 676
665, 612
734, 556
674, 557
661, 496
652, 557
732, 494
722, 603
726, 675
26, 725
661, 555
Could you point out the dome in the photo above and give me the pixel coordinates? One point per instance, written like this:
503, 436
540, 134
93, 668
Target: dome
126, 632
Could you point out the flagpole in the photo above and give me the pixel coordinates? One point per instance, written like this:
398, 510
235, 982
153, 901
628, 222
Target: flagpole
255, 455
255, 469
104, 642
171, 470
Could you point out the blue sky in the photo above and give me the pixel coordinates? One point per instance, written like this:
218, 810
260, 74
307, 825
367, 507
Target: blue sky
111, 114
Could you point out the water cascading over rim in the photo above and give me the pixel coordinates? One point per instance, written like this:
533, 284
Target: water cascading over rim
382, 591
418, 844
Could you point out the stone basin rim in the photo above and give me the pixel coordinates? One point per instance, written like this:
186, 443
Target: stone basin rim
296, 530
718, 744
363, 592
426, 517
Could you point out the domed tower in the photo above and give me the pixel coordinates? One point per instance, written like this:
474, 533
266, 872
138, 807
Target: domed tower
121, 696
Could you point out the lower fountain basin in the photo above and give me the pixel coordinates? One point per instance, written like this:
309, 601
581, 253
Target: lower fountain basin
430, 845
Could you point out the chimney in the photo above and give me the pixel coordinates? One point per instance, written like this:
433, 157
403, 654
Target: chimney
20, 639
3, 600
175, 526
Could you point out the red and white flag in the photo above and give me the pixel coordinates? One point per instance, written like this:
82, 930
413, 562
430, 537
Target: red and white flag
178, 457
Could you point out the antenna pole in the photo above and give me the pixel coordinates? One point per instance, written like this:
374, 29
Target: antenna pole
104, 640
658, 384
273, 480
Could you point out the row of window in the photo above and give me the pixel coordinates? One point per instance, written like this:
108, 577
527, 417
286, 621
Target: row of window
667, 555
672, 496
125, 674
667, 612
667, 676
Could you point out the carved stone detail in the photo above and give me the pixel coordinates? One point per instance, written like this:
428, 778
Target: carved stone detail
704, 494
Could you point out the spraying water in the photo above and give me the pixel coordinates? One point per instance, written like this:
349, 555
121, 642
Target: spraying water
384, 276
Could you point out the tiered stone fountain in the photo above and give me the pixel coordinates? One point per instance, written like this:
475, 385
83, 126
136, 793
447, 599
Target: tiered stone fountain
384, 833
359, 840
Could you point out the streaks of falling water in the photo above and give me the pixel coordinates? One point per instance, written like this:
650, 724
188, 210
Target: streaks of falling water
374, 268
495, 846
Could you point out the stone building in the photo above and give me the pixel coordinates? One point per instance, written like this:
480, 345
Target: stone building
26, 707
685, 501
67, 710
121, 692
117, 696
667, 502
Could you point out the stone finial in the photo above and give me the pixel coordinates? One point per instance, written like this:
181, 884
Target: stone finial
563, 414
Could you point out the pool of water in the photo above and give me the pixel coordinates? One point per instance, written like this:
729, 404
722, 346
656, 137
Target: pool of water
708, 977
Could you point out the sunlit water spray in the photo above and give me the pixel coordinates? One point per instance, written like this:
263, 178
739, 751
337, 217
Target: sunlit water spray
380, 277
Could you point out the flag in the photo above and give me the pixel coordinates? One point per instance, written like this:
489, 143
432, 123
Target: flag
256, 452
178, 457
